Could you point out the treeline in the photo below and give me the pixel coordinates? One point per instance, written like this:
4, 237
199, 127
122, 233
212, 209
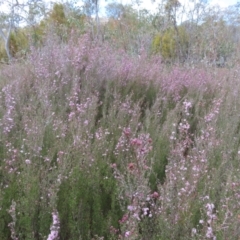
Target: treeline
192, 34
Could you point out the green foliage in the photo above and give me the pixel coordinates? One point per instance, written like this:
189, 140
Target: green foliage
57, 14
19, 43
171, 44
37, 33
88, 207
3, 54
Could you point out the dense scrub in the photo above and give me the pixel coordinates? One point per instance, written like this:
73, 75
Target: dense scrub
99, 144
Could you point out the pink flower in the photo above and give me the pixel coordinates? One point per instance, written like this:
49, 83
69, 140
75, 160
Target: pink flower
127, 132
127, 234
124, 219
209, 233
27, 161
155, 195
131, 208
55, 227
136, 142
114, 165
131, 166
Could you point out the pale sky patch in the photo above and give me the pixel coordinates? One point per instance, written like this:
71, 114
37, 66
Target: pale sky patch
152, 5
146, 4
223, 3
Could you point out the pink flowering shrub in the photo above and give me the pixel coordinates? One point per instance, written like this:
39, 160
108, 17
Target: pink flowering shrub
55, 227
97, 143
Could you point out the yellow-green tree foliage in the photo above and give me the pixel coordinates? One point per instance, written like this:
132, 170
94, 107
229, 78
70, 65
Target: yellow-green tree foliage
57, 15
56, 19
37, 33
3, 54
19, 39
59, 22
171, 43
18, 44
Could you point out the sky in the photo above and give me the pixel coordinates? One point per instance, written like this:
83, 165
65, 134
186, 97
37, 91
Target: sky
147, 4
151, 5
224, 3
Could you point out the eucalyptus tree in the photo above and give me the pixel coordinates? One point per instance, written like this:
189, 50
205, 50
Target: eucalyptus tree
17, 13
114, 10
90, 8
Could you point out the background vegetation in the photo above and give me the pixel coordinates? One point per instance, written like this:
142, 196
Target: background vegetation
122, 129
